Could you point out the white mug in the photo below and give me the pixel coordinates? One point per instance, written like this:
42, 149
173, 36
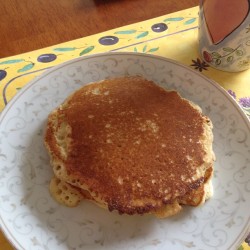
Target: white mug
224, 34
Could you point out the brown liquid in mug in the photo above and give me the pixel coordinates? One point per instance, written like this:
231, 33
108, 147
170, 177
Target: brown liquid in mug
224, 16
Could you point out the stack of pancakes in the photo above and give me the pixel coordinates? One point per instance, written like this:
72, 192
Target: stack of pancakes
131, 146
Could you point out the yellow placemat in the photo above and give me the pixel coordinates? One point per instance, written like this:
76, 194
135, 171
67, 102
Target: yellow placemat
173, 36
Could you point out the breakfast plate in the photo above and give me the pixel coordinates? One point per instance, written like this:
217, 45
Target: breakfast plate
32, 220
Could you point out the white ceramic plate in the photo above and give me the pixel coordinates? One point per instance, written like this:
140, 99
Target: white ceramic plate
32, 220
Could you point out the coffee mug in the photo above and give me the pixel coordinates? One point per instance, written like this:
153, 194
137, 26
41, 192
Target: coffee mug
224, 34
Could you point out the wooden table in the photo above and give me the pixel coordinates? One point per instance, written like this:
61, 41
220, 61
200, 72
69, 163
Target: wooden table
31, 24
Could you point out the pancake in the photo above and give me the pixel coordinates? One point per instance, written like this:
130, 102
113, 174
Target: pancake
71, 196
132, 146
198, 196
67, 194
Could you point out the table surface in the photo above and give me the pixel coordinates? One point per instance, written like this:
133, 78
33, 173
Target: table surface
30, 24
33, 25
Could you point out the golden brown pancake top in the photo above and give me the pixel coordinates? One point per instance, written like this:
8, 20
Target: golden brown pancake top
132, 143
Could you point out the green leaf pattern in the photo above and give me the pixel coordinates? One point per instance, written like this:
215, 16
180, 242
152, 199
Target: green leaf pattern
26, 68
11, 61
153, 50
140, 34
186, 20
125, 32
64, 49
146, 50
173, 19
87, 50
228, 49
143, 34
216, 55
190, 21
228, 54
